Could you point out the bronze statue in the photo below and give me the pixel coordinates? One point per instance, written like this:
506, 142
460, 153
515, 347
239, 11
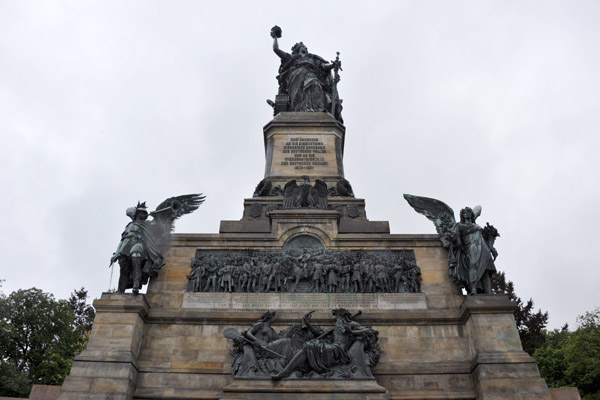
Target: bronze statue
471, 252
304, 350
140, 251
307, 79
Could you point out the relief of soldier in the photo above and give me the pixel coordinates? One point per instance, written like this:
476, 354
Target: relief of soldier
305, 270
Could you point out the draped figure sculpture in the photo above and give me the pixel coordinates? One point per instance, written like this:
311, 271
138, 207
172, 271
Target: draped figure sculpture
304, 350
471, 252
307, 79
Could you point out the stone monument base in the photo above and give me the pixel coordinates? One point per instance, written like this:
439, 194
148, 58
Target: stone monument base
314, 389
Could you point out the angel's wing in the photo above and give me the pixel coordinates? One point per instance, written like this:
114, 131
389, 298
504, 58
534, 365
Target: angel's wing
174, 207
436, 211
290, 194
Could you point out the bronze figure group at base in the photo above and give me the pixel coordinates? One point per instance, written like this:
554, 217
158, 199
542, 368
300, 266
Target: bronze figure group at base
348, 350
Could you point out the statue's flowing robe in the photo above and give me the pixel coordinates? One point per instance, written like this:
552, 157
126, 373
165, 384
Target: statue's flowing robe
307, 82
473, 256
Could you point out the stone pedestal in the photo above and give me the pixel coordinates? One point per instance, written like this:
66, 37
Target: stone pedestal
500, 369
436, 344
298, 144
107, 368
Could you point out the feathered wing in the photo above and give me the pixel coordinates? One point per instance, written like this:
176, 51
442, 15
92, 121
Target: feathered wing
174, 207
319, 194
171, 209
290, 194
436, 211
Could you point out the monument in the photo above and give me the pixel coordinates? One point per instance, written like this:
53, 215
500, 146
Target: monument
305, 297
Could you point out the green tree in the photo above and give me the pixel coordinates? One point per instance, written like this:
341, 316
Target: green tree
84, 313
550, 358
39, 337
573, 358
530, 324
582, 355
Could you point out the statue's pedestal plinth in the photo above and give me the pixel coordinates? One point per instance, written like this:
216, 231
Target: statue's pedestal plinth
314, 389
298, 144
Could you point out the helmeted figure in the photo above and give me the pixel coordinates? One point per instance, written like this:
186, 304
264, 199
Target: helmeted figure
143, 242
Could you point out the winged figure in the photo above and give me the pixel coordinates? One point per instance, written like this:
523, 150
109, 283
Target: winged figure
143, 243
471, 252
305, 195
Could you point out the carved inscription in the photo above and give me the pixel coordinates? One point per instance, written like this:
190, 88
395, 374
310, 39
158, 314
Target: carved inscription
305, 301
363, 301
255, 301
206, 300
304, 153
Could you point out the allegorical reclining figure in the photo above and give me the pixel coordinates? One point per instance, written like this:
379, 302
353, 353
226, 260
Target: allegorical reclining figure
348, 350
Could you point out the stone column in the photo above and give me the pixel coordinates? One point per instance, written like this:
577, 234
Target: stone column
500, 368
107, 368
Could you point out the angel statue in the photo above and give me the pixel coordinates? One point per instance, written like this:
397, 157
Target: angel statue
143, 242
471, 252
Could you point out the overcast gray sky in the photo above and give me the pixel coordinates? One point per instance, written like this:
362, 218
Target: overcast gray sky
104, 103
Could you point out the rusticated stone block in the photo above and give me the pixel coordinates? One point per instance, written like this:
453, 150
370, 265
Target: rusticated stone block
566, 393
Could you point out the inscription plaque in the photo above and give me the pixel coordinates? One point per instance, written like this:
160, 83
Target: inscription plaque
206, 300
254, 301
304, 301
402, 301
359, 301
304, 153
297, 154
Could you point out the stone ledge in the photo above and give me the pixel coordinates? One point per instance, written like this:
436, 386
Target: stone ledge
304, 119
176, 394
433, 395
304, 386
91, 355
122, 303
487, 304
286, 317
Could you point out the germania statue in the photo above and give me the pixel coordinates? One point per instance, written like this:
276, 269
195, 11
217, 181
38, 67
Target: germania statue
143, 243
307, 80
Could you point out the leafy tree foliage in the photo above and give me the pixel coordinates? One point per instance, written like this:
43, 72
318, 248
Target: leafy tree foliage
573, 358
39, 336
84, 313
530, 324
550, 358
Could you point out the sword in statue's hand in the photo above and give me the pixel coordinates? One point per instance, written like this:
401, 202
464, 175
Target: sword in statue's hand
337, 66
